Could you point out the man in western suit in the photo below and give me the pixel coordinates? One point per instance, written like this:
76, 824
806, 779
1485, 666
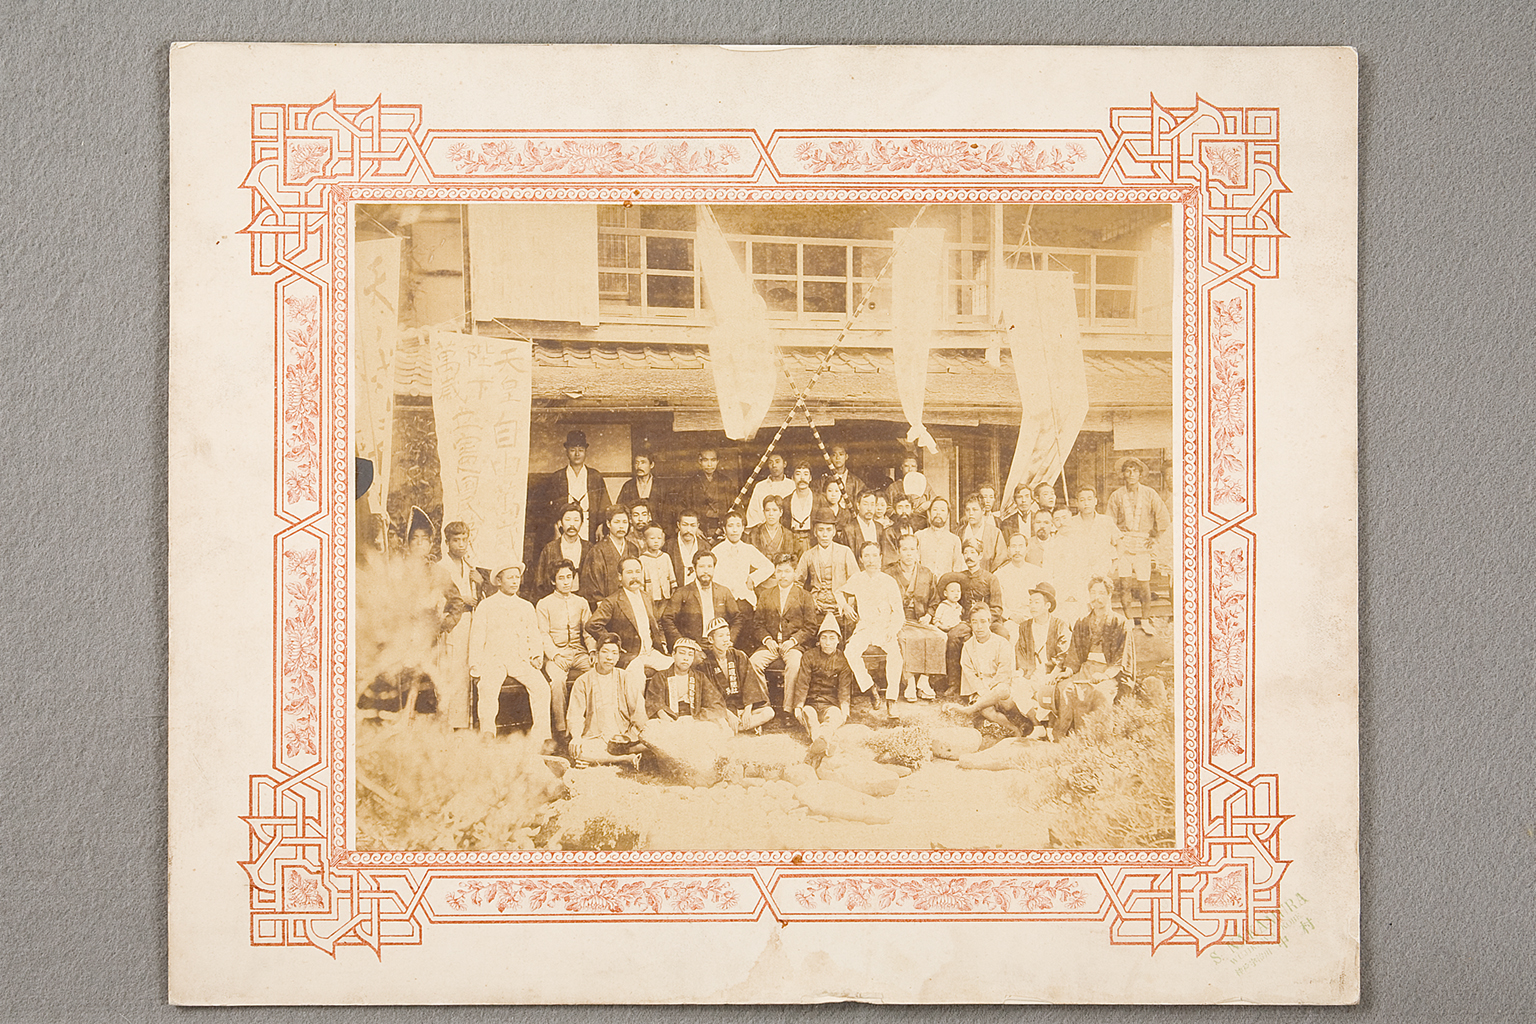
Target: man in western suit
626, 614
782, 626
694, 606
577, 484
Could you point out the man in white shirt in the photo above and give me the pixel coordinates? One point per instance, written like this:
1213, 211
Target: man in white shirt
937, 546
1017, 577
685, 546
739, 566
504, 641
1141, 517
877, 602
776, 484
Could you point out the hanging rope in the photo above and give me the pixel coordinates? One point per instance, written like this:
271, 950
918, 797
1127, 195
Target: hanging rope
822, 365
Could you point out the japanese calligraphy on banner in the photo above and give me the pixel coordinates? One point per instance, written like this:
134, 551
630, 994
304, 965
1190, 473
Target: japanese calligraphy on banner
482, 390
378, 334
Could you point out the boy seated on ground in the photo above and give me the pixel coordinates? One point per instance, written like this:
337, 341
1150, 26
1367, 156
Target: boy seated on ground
674, 692
731, 683
986, 666
605, 716
823, 688
1031, 699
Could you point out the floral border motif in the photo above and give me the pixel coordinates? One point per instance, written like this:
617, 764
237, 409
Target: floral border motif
942, 895
310, 160
597, 895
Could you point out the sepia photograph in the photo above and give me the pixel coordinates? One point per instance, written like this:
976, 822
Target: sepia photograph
765, 526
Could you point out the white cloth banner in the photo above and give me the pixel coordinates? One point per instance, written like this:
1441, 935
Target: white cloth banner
740, 346
917, 297
1039, 319
482, 392
377, 315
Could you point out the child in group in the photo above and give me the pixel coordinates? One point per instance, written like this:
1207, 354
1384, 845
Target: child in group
948, 613
674, 692
823, 688
660, 578
733, 690
604, 718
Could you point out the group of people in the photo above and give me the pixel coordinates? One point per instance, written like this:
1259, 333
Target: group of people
788, 603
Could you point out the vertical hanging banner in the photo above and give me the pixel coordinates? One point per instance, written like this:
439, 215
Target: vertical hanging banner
378, 335
1039, 320
740, 347
917, 306
482, 391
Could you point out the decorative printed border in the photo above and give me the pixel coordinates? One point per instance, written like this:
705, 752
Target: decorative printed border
309, 162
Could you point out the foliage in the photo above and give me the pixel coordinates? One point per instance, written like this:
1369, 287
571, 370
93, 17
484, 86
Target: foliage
1111, 785
907, 745
426, 788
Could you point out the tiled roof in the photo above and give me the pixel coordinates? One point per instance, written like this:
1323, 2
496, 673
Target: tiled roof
677, 376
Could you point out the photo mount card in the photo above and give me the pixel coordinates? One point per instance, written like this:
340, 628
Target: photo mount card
432, 303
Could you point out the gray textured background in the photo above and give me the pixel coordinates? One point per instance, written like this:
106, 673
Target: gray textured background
1448, 131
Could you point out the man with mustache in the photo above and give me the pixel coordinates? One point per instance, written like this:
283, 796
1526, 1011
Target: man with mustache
568, 546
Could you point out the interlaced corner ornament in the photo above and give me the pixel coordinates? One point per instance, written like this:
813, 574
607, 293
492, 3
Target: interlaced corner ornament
1219, 165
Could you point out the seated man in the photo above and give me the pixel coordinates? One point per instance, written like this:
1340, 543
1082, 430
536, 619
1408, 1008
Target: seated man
627, 615
781, 630
504, 641
823, 688
606, 715
1092, 672
674, 692
876, 599
732, 684
986, 669
1042, 644
562, 618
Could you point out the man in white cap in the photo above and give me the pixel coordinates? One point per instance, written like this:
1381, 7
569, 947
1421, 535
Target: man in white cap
876, 599
675, 691
504, 641
823, 688
1141, 517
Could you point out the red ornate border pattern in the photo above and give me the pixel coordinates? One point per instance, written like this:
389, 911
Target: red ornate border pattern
1218, 166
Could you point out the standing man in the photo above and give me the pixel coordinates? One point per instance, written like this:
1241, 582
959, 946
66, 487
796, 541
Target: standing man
775, 484
1045, 497
710, 493
566, 547
825, 567
452, 676
1141, 517
626, 615
577, 484
911, 483
685, 546
781, 628
1014, 519
988, 495
877, 601
1041, 542
937, 546
504, 642
866, 529
699, 603
739, 566
600, 571
643, 486
800, 507
769, 536
978, 526
562, 617
852, 486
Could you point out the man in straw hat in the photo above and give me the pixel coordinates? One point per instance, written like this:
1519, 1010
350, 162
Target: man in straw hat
1140, 515
823, 688
504, 642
